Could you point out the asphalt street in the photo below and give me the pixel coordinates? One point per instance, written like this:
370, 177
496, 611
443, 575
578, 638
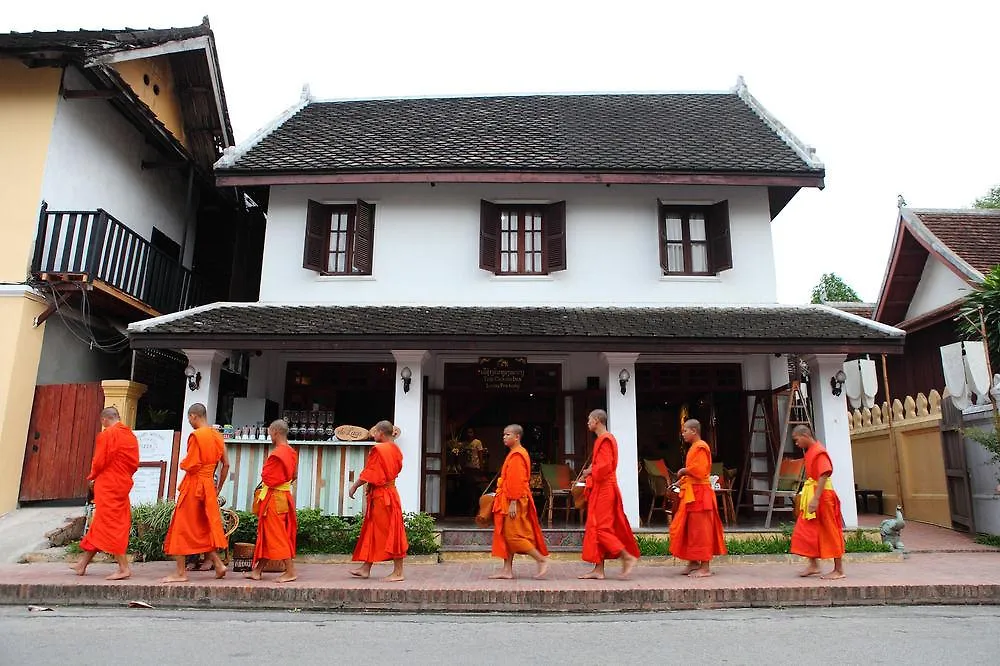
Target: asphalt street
868, 635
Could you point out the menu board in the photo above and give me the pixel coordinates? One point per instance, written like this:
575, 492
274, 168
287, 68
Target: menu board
155, 445
149, 482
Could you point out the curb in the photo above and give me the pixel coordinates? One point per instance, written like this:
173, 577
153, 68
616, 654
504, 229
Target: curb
492, 601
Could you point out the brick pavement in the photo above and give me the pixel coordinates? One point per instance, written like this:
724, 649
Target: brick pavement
972, 577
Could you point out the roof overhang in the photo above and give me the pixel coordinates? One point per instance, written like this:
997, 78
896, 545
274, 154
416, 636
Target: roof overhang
225, 177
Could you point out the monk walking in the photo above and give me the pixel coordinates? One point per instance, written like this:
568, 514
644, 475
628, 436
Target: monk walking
383, 536
607, 535
275, 507
196, 526
515, 519
696, 531
116, 459
819, 529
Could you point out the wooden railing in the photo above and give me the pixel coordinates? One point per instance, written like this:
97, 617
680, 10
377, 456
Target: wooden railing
94, 245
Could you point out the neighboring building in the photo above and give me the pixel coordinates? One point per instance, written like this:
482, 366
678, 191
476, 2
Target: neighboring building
865, 310
938, 257
471, 262
108, 139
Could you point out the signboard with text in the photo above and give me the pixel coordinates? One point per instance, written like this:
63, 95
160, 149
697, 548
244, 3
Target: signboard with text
502, 373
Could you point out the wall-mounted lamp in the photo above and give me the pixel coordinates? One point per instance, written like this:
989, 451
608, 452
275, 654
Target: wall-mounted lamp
194, 378
837, 382
407, 376
623, 378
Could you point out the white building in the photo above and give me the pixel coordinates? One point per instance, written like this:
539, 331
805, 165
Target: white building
471, 262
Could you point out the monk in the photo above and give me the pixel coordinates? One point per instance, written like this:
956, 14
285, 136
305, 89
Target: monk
274, 505
383, 536
696, 530
607, 535
819, 529
515, 519
196, 526
116, 459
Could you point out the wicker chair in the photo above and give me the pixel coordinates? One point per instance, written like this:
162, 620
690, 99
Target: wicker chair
558, 482
660, 479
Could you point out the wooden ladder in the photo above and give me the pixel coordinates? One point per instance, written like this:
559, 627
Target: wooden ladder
796, 414
760, 424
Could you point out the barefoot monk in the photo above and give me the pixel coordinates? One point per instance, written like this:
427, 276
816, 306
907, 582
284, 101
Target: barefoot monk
196, 526
696, 531
515, 519
819, 529
383, 536
116, 459
607, 535
275, 507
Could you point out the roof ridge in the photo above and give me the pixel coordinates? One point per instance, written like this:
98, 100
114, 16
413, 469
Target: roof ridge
503, 95
870, 323
233, 154
989, 212
805, 152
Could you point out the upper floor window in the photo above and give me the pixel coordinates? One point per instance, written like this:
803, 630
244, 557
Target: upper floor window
694, 240
522, 239
339, 238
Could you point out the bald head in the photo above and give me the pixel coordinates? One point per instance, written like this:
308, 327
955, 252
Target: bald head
803, 436
278, 431
382, 431
597, 421
197, 415
693, 424
691, 431
109, 417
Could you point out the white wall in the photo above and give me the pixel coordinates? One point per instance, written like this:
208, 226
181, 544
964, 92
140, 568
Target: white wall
94, 161
427, 247
938, 286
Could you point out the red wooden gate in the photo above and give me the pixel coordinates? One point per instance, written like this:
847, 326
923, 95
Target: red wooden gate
65, 419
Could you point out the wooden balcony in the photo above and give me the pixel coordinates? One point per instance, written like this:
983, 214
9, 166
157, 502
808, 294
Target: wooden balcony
94, 252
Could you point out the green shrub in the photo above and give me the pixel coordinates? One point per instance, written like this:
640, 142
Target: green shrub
772, 544
989, 539
73, 548
858, 542
149, 529
650, 547
421, 532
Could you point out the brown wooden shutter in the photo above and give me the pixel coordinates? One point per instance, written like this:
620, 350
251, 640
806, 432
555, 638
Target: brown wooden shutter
317, 231
554, 230
364, 237
662, 235
720, 251
489, 227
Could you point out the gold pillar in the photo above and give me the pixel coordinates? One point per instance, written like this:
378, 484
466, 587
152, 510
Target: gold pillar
124, 395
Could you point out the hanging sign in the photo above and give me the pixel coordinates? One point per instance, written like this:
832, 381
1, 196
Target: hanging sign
502, 373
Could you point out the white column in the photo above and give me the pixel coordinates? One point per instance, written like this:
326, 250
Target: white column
407, 416
623, 425
209, 363
830, 413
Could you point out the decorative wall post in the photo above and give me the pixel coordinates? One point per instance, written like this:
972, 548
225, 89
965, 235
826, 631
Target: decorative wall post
408, 417
623, 424
124, 395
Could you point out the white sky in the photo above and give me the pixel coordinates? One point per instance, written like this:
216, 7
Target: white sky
897, 97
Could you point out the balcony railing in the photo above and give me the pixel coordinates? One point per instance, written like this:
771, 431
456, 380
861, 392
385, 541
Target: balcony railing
93, 245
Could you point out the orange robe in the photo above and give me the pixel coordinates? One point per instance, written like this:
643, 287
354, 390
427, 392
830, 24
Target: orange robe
383, 536
523, 533
116, 459
196, 526
696, 530
823, 536
607, 532
277, 526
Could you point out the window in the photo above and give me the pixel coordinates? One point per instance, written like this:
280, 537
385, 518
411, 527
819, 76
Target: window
522, 239
339, 238
694, 240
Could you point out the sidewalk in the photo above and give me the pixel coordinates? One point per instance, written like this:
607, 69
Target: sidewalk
960, 578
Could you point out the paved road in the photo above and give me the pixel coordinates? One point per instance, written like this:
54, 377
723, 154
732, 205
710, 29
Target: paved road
872, 635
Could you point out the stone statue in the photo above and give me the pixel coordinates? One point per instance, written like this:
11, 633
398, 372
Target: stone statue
890, 529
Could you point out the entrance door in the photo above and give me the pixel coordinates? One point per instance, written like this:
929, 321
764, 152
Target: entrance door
956, 470
65, 419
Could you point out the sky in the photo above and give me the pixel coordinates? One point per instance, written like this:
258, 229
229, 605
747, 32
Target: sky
896, 97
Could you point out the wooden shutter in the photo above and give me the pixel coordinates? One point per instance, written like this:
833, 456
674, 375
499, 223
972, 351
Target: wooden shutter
720, 251
364, 237
662, 235
489, 228
317, 231
554, 231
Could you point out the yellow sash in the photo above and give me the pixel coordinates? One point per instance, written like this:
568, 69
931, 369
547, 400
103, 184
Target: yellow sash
807, 494
264, 488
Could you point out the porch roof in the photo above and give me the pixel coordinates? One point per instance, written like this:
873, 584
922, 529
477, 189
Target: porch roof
663, 329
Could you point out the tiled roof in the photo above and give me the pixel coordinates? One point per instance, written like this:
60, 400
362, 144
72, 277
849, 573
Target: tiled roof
973, 235
866, 310
98, 42
698, 132
778, 324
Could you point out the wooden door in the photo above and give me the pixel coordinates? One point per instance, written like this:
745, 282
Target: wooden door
65, 419
956, 470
